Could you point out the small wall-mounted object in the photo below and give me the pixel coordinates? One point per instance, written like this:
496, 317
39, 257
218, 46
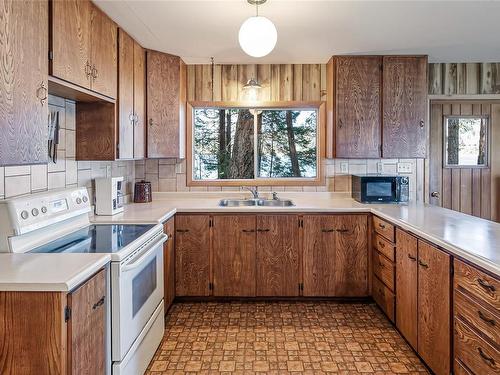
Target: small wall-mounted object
404, 167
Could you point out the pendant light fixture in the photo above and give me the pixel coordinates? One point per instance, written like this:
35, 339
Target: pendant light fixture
257, 34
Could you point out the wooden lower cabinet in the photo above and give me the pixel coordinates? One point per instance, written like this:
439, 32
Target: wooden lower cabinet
234, 238
169, 263
335, 255
434, 326
37, 336
192, 255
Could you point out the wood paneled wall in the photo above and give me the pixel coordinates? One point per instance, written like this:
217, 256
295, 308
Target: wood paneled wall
464, 78
280, 82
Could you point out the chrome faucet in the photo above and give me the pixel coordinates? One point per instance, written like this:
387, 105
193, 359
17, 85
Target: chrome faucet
275, 196
254, 191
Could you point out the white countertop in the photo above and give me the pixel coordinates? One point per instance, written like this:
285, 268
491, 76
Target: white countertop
47, 272
468, 237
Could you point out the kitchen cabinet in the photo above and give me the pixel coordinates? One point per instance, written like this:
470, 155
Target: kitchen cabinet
84, 46
23, 91
166, 105
192, 255
278, 261
356, 104
434, 341
234, 238
335, 255
404, 103
169, 263
59, 333
131, 78
376, 106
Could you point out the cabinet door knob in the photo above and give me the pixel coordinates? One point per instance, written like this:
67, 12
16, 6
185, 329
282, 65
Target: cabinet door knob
88, 69
131, 117
413, 259
95, 72
99, 303
423, 264
150, 122
341, 124
422, 124
435, 194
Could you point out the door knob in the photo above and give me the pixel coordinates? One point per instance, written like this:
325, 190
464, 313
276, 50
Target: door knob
435, 194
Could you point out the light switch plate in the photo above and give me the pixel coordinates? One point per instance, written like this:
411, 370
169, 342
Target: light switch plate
344, 167
404, 167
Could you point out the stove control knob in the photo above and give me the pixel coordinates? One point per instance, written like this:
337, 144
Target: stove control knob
78, 200
35, 212
24, 215
85, 199
44, 210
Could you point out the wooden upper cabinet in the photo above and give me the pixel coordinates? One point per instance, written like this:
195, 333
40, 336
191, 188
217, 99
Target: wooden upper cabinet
166, 105
70, 23
126, 96
404, 106
356, 97
406, 286
84, 46
192, 255
277, 255
103, 53
434, 326
234, 239
23, 87
139, 101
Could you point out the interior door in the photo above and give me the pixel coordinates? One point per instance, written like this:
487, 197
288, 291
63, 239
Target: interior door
469, 189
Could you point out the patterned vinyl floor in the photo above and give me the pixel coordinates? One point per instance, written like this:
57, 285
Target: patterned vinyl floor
281, 338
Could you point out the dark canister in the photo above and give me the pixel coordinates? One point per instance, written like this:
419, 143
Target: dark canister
142, 192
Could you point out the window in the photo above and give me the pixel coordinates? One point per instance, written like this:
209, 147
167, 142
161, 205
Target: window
466, 141
256, 145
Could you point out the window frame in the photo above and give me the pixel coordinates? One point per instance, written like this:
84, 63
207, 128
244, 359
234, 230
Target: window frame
445, 142
319, 106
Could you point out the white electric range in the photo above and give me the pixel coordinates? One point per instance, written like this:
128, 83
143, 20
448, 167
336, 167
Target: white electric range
58, 222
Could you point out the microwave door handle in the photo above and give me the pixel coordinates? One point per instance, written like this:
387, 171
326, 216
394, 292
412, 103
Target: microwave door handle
142, 258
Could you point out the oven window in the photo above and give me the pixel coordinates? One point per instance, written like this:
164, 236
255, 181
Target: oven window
379, 189
143, 285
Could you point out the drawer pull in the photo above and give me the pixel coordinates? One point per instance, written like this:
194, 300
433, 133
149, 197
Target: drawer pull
327, 230
263, 230
248, 230
381, 225
490, 321
342, 230
486, 285
413, 259
381, 244
423, 264
486, 358
98, 303
182, 230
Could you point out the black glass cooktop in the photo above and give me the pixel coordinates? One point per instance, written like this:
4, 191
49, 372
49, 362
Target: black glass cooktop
101, 238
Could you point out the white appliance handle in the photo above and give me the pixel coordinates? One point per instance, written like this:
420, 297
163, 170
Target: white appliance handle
142, 258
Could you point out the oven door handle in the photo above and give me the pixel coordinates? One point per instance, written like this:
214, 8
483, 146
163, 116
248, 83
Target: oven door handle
147, 253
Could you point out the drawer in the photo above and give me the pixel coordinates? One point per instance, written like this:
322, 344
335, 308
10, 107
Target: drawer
477, 316
477, 283
383, 228
475, 353
384, 246
460, 369
384, 298
383, 268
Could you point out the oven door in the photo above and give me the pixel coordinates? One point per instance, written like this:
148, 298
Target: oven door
137, 290
379, 189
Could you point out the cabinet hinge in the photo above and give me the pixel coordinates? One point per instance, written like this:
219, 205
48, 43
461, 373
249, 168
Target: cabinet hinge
211, 223
301, 223
67, 313
210, 286
380, 147
302, 286
381, 66
51, 55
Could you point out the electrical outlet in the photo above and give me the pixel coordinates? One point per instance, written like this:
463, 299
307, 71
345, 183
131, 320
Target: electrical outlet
108, 170
404, 167
380, 167
344, 167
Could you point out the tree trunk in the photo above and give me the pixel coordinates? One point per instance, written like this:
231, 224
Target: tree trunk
260, 141
291, 145
242, 161
222, 144
453, 141
482, 144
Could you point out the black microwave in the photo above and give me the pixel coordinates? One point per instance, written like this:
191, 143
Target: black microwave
380, 188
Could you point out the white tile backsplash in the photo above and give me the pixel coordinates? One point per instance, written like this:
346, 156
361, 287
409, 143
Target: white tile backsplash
2, 182
39, 177
57, 180
17, 185
17, 171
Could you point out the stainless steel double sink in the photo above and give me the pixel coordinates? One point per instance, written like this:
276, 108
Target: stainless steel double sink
256, 203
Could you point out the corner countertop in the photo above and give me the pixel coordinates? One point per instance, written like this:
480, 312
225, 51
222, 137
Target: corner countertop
47, 272
470, 238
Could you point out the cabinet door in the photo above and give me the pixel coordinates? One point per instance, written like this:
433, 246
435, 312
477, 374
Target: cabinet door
126, 96
169, 263
87, 327
319, 255
139, 101
358, 107
71, 41
103, 53
277, 255
166, 102
406, 286
434, 330
192, 255
234, 255
23, 76
351, 256
405, 106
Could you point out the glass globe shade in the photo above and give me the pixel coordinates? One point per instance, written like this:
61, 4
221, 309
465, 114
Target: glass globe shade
257, 36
